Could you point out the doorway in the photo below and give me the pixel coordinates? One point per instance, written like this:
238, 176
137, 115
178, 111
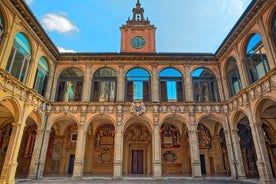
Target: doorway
137, 162
202, 164
71, 164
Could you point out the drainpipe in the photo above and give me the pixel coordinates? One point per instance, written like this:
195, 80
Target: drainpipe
37, 177
230, 133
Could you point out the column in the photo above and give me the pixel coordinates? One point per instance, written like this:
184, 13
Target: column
36, 155
217, 155
80, 149
242, 69
238, 154
193, 137
87, 84
118, 152
120, 84
154, 84
268, 47
263, 163
43, 154
157, 162
188, 84
10, 163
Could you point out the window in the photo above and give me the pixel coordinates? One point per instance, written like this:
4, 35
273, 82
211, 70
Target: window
171, 86
205, 86
137, 85
70, 85
19, 59
1, 26
256, 59
41, 78
104, 85
233, 77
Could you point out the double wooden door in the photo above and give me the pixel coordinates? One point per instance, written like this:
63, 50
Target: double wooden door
137, 162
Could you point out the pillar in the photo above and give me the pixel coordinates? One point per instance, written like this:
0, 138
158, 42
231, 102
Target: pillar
188, 83
87, 84
195, 159
80, 149
36, 155
242, 69
263, 163
120, 85
118, 152
157, 162
238, 154
10, 163
154, 85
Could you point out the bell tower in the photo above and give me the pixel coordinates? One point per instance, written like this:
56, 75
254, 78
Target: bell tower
138, 35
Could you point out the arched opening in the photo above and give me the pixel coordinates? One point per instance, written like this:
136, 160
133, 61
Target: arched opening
70, 85
26, 148
61, 148
9, 115
137, 85
175, 149
137, 155
19, 59
233, 77
104, 85
255, 58
247, 147
213, 149
266, 114
171, 86
205, 86
41, 78
99, 151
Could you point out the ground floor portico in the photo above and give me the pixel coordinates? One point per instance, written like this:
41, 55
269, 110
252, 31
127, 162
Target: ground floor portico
157, 141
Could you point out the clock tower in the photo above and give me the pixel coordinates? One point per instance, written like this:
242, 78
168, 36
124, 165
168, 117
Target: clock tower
138, 35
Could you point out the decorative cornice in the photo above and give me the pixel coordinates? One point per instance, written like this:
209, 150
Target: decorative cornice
26, 13
194, 57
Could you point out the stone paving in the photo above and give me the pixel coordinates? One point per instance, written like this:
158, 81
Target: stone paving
136, 181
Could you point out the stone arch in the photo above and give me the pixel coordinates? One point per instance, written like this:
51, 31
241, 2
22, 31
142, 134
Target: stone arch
260, 106
238, 115
180, 118
142, 67
175, 146
13, 105
101, 67
144, 119
212, 117
100, 117
62, 145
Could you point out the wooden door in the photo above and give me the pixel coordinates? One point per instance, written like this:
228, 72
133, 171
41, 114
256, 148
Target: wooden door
137, 162
71, 164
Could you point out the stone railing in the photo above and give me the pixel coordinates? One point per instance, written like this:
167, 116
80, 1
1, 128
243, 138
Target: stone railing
31, 97
256, 90
12, 86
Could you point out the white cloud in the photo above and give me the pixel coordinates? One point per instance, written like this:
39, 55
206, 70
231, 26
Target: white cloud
58, 22
61, 49
29, 1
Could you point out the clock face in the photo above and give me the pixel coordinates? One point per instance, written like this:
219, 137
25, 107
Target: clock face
138, 42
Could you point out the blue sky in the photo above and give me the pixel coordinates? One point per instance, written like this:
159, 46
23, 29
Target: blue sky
93, 25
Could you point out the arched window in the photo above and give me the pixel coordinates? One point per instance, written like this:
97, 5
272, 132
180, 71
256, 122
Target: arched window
19, 60
41, 78
256, 60
205, 86
137, 85
70, 85
233, 77
1, 26
171, 86
104, 85
274, 27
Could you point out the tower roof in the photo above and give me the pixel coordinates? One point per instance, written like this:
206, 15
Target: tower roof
138, 17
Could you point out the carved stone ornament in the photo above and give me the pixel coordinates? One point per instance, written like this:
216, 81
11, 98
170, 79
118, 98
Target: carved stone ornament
169, 156
137, 108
